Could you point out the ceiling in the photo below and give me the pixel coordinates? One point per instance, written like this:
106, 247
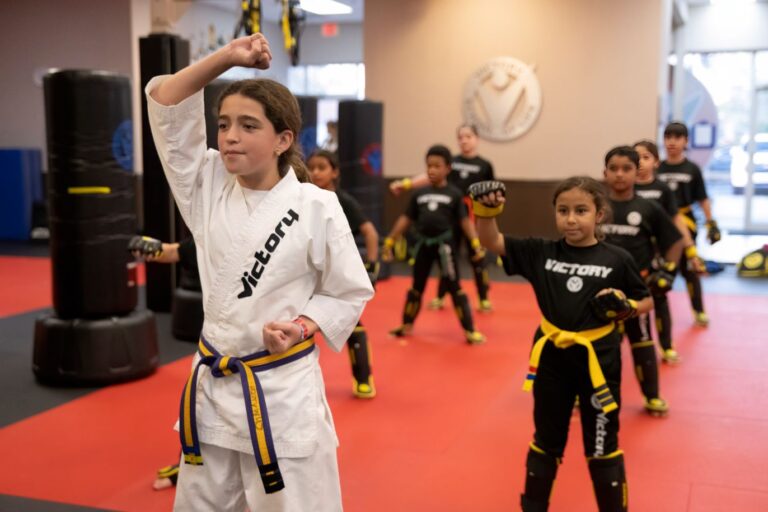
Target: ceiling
271, 10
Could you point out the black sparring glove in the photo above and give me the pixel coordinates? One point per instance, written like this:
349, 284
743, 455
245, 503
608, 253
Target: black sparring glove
478, 192
372, 267
713, 232
613, 306
660, 281
144, 246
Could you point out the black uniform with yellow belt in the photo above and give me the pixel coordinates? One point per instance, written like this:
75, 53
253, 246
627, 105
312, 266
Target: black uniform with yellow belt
576, 354
464, 172
687, 183
435, 212
636, 225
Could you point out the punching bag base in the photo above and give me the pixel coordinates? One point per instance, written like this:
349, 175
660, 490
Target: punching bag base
94, 352
187, 314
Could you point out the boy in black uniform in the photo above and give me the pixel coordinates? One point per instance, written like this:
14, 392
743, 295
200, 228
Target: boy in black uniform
466, 168
636, 224
323, 167
648, 186
583, 287
435, 211
685, 179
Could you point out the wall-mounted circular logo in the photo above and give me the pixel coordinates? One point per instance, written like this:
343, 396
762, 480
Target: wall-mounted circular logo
574, 284
502, 99
634, 218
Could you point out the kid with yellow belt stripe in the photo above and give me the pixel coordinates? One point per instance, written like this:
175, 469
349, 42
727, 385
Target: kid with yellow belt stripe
582, 286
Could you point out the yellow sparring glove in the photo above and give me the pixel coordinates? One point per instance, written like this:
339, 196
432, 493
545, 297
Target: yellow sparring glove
695, 263
483, 205
386, 252
477, 249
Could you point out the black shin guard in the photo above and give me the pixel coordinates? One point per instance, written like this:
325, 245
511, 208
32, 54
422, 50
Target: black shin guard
463, 311
694, 292
359, 354
442, 288
610, 483
540, 472
646, 368
663, 321
481, 279
412, 306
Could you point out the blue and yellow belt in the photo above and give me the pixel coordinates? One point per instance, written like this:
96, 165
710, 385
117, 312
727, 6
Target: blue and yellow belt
255, 405
565, 339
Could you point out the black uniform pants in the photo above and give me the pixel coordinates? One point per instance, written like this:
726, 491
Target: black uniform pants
482, 281
562, 375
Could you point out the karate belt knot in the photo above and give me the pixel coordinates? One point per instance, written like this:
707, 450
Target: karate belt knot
255, 404
565, 339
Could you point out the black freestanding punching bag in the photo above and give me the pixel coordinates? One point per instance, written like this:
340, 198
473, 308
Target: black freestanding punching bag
159, 54
95, 336
361, 124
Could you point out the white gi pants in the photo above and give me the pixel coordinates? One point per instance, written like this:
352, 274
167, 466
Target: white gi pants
229, 481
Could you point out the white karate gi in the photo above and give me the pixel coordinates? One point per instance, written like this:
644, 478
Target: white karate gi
314, 269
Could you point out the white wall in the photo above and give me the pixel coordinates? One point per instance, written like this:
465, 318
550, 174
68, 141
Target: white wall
346, 47
731, 26
83, 34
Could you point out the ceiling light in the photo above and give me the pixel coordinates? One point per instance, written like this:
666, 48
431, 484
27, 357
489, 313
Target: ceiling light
325, 7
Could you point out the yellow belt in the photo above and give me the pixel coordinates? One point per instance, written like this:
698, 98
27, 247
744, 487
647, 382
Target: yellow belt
255, 404
565, 339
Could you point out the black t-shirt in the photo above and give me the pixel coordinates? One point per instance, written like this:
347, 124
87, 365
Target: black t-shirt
685, 180
466, 171
565, 278
658, 191
436, 210
635, 225
352, 210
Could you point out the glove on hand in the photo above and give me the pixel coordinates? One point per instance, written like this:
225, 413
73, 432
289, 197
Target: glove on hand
613, 305
483, 205
144, 246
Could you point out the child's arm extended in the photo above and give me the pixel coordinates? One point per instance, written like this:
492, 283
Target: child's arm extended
488, 202
251, 51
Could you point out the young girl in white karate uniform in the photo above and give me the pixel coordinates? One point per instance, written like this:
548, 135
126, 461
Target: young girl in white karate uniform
277, 264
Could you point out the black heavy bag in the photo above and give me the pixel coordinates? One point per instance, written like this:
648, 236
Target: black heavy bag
360, 155
91, 192
159, 54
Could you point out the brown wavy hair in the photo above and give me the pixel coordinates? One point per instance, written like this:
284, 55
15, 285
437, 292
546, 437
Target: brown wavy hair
595, 189
282, 110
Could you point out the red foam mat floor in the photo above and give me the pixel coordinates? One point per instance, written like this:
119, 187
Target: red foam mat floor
450, 427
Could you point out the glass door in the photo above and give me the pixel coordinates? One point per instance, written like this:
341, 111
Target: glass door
756, 189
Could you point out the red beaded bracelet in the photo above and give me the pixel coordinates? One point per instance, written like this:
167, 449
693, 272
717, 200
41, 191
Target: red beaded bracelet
304, 329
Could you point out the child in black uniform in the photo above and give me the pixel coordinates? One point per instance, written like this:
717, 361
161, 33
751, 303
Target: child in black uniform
466, 168
436, 211
648, 186
636, 224
685, 179
323, 168
583, 286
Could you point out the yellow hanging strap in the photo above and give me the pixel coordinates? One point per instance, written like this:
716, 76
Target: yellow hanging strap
565, 339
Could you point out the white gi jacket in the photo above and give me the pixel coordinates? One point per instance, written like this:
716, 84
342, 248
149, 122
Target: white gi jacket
297, 241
